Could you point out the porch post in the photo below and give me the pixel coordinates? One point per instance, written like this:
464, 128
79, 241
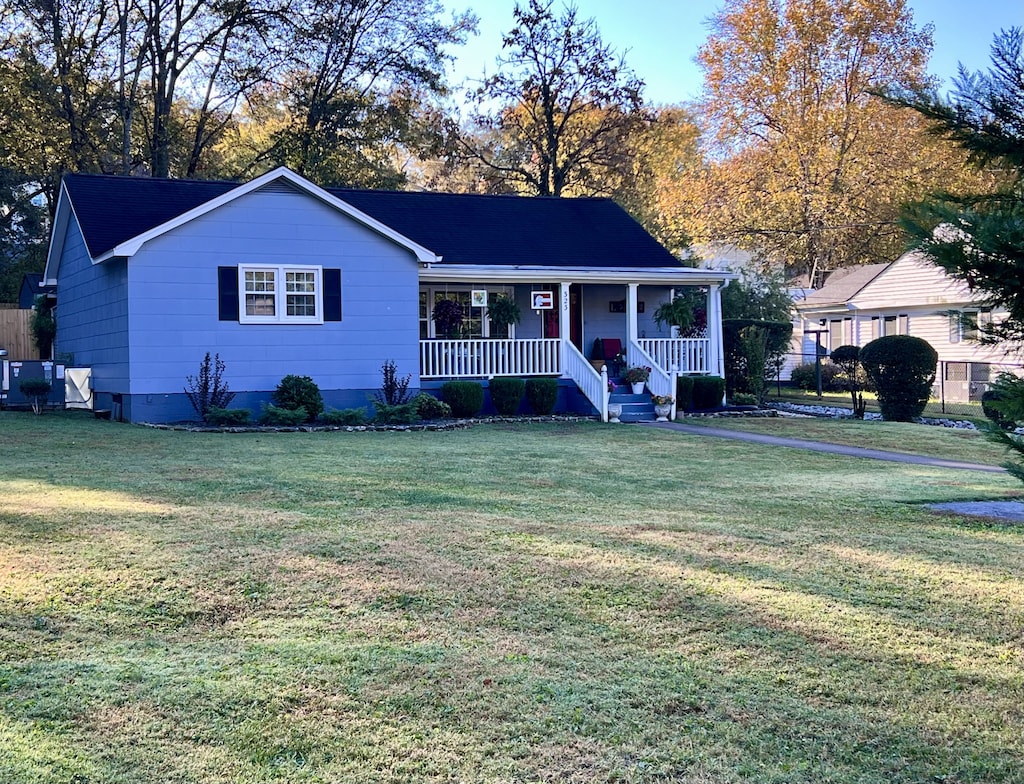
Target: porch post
564, 334
632, 330
717, 359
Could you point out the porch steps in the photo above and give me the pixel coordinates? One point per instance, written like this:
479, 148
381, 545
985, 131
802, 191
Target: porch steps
635, 408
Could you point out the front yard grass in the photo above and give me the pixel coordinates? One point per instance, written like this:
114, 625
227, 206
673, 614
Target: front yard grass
511, 603
946, 443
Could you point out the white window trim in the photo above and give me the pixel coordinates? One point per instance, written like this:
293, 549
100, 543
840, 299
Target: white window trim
280, 294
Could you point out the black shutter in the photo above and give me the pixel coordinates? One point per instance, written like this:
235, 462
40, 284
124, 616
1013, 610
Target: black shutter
227, 293
332, 295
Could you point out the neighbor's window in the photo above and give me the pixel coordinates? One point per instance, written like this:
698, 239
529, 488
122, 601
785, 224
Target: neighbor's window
281, 295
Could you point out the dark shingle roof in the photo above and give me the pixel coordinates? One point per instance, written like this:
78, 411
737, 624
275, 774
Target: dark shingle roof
462, 228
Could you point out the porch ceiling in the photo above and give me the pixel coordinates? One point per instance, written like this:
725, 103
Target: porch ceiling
672, 276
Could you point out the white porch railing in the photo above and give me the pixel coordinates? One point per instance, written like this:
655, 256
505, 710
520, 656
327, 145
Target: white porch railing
592, 384
685, 355
661, 381
485, 358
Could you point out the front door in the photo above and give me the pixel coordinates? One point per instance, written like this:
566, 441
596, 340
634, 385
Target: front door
575, 316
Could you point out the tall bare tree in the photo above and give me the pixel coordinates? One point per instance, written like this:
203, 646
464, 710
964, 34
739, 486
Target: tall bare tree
565, 104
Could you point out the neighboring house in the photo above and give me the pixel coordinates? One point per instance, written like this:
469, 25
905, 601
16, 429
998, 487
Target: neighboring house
31, 287
909, 296
282, 277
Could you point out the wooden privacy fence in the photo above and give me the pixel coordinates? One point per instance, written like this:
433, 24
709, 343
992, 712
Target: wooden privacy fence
15, 335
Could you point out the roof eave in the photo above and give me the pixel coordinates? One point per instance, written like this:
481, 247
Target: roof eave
130, 247
554, 274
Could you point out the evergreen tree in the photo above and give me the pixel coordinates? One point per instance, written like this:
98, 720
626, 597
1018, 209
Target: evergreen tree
979, 238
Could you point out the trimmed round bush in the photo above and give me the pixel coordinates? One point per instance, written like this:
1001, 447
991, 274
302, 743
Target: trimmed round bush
708, 392
296, 392
507, 394
901, 368
466, 398
542, 395
430, 407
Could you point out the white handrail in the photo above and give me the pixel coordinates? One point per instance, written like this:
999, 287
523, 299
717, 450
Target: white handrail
476, 358
660, 381
592, 384
685, 355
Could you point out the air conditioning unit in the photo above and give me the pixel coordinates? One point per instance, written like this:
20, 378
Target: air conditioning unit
14, 372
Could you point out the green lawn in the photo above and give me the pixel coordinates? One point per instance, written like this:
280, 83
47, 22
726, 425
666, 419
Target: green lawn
947, 443
569, 602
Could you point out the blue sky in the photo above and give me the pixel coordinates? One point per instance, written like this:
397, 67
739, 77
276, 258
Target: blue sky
663, 36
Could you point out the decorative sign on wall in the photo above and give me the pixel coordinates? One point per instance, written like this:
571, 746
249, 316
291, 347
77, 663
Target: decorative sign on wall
542, 300
478, 298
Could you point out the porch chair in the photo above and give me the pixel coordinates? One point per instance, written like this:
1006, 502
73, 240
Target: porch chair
610, 350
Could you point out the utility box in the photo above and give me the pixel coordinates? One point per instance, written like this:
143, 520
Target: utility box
14, 372
78, 388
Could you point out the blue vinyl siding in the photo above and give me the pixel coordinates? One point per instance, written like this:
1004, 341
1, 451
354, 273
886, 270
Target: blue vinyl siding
92, 314
173, 293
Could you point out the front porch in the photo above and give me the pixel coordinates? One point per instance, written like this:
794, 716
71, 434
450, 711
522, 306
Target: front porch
560, 323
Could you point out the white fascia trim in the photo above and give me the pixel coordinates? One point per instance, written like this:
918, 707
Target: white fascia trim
131, 247
57, 234
547, 274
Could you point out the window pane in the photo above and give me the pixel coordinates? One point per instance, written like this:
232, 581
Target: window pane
259, 293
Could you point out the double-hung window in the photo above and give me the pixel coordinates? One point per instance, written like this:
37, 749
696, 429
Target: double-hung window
282, 294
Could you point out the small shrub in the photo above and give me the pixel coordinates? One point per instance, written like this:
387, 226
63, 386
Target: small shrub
273, 416
37, 390
466, 398
394, 391
803, 377
542, 395
345, 417
902, 370
708, 392
744, 399
684, 393
208, 389
1003, 403
295, 392
430, 407
507, 395
403, 414
227, 417
852, 376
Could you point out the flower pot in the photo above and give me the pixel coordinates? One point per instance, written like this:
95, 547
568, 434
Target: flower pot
638, 387
662, 411
614, 412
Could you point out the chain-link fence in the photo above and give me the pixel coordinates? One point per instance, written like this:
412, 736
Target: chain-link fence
957, 390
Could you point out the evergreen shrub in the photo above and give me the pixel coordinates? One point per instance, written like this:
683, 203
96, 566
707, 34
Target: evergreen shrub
507, 395
296, 392
902, 369
542, 395
466, 398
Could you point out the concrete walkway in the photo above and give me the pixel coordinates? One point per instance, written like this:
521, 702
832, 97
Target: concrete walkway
818, 446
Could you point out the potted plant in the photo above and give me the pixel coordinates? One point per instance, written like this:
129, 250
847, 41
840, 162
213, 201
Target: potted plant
662, 406
503, 312
448, 315
636, 377
684, 312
